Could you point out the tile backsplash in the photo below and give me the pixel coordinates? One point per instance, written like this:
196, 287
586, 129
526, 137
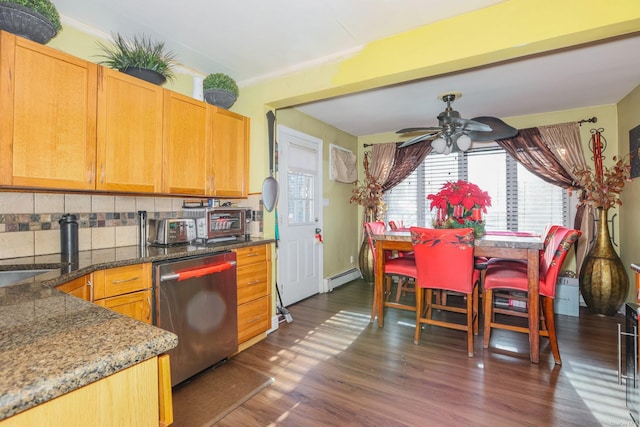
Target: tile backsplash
29, 221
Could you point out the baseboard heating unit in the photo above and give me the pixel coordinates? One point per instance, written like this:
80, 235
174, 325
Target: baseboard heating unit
341, 278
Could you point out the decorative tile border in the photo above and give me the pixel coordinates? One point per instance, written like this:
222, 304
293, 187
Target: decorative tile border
36, 222
10, 223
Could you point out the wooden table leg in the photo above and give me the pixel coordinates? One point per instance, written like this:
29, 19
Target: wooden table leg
533, 272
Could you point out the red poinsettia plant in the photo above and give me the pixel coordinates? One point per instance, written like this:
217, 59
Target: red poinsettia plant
460, 204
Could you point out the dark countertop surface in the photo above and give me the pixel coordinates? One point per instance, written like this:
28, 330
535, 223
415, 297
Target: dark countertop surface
52, 343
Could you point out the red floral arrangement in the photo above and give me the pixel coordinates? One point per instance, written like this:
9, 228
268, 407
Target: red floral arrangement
460, 204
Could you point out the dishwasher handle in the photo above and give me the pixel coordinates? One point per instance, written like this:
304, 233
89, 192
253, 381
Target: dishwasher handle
198, 272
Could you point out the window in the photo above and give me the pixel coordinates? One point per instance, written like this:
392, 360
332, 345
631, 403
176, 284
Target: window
520, 201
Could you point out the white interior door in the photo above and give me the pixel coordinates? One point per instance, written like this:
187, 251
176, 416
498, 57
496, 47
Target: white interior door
299, 215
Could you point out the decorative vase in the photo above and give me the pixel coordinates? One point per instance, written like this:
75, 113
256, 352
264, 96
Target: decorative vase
603, 279
365, 262
219, 97
25, 22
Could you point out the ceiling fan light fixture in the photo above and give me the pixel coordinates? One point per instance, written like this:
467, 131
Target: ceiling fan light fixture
439, 145
464, 142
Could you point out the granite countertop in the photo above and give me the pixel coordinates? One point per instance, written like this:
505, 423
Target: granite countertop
52, 343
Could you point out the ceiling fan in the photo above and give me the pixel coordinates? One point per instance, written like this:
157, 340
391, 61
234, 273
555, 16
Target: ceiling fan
453, 129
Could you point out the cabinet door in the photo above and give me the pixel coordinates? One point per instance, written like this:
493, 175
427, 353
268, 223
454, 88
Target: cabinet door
136, 305
186, 146
230, 154
129, 149
80, 287
48, 106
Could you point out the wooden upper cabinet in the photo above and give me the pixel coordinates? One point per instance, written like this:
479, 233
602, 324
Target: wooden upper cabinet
129, 148
48, 110
230, 154
186, 148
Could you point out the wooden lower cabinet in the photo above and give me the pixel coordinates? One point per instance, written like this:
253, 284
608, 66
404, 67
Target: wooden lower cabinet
80, 287
136, 305
254, 293
131, 397
254, 318
126, 290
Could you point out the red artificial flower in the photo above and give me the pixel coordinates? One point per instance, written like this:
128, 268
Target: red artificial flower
463, 193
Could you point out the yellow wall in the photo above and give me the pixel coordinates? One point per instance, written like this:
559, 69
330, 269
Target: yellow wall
629, 118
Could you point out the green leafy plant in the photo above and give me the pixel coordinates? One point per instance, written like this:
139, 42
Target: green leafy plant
138, 52
43, 7
220, 81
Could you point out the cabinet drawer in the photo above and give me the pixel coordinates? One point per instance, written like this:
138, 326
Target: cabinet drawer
121, 280
251, 255
253, 282
253, 318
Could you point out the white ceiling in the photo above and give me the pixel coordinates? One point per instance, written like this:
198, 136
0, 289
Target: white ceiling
252, 40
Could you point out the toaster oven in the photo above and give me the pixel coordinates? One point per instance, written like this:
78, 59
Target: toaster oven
218, 224
171, 231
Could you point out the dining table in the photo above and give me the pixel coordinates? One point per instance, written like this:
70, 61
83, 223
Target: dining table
500, 245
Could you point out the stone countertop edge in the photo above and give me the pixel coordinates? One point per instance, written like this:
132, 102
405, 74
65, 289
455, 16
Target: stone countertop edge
52, 343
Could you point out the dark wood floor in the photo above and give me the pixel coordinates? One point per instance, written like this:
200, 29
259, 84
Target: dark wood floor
334, 368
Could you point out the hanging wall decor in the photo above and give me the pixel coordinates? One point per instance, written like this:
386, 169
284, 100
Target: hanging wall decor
634, 149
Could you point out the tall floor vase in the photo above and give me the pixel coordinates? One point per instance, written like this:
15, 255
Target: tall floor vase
365, 262
603, 279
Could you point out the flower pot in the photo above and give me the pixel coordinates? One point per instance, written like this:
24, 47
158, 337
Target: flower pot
24, 22
145, 74
603, 279
219, 97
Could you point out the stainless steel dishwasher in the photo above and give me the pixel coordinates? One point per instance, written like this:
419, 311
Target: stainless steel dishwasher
196, 298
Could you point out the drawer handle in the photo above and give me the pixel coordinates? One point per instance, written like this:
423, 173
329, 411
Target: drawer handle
252, 254
255, 282
255, 319
116, 282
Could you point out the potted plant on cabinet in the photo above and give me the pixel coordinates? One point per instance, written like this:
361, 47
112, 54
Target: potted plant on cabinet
140, 57
220, 90
36, 20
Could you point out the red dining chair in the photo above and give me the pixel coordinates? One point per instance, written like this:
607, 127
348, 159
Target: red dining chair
404, 268
445, 262
513, 277
547, 233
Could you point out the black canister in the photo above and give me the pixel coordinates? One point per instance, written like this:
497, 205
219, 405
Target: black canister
68, 234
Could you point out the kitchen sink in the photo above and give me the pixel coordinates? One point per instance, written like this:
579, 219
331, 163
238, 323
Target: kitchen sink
14, 276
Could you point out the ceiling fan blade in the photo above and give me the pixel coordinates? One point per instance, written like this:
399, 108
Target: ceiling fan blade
419, 129
471, 125
499, 130
419, 138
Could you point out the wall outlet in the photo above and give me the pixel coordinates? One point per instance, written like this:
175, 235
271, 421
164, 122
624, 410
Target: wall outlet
351, 259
